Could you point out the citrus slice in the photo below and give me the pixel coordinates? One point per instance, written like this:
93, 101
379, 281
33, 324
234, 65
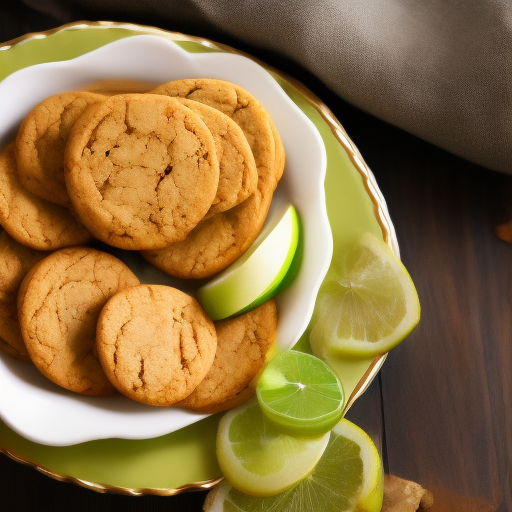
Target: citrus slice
260, 460
372, 493
257, 275
348, 477
300, 394
367, 303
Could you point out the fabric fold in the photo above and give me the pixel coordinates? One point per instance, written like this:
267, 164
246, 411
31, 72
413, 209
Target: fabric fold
440, 71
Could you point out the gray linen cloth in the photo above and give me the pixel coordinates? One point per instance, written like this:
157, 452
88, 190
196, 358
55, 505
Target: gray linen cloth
440, 69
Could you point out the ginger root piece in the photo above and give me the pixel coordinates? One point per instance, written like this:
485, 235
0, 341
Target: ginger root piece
405, 496
504, 231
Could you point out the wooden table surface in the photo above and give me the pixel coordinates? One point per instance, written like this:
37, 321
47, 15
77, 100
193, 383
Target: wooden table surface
441, 408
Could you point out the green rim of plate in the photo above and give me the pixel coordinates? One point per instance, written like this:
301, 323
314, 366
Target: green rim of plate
354, 206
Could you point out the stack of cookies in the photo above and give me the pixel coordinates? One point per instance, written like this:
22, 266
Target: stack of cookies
185, 174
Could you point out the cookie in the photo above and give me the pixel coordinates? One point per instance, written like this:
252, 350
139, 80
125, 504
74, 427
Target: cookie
218, 241
11, 351
15, 262
155, 343
30, 220
243, 108
237, 169
141, 170
59, 302
41, 140
242, 347
280, 154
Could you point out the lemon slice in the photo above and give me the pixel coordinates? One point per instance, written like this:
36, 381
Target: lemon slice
366, 305
257, 275
300, 394
372, 493
348, 477
259, 459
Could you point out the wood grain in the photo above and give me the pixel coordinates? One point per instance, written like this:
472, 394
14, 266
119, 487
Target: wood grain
446, 389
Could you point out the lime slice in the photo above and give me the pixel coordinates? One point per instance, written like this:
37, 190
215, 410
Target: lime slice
348, 477
260, 460
300, 394
257, 275
367, 303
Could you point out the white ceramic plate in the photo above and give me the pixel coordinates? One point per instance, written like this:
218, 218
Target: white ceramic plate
41, 411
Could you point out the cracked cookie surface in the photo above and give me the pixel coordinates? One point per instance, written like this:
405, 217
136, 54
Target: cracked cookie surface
15, 262
241, 106
218, 241
155, 343
30, 220
237, 169
59, 302
141, 170
41, 140
243, 343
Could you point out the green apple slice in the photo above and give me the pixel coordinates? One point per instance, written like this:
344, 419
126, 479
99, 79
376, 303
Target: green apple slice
257, 275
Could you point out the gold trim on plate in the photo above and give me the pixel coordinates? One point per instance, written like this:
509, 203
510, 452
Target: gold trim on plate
379, 203
196, 486
78, 25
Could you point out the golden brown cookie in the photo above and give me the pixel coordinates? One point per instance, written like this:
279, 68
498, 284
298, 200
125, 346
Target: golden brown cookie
11, 351
41, 140
243, 108
218, 241
280, 154
59, 303
15, 262
237, 169
141, 170
155, 343
242, 346
30, 220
